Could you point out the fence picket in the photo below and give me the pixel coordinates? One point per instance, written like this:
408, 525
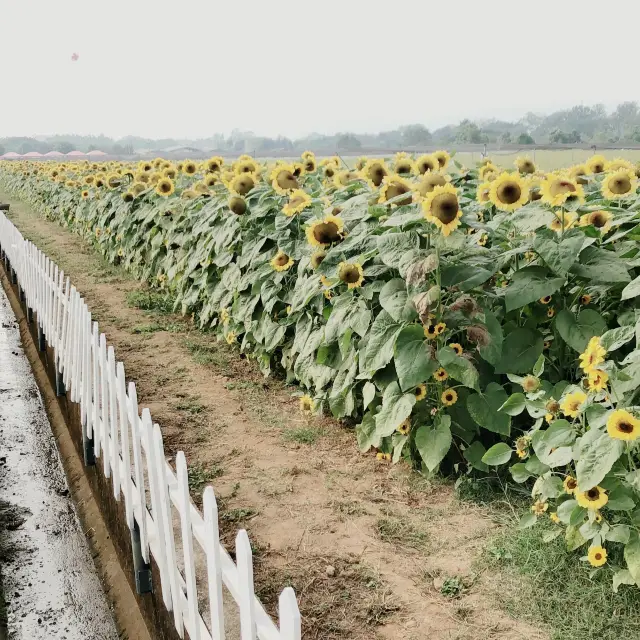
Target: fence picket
214, 569
244, 559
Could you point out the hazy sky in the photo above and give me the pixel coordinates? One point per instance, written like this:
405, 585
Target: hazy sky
192, 68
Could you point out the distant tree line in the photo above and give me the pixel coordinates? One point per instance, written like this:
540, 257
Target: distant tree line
579, 124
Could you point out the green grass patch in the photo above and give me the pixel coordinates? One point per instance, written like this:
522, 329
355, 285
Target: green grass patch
207, 355
190, 405
199, 476
303, 435
148, 300
401, 532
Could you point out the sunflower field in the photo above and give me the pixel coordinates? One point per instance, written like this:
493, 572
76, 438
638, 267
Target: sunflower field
464, 319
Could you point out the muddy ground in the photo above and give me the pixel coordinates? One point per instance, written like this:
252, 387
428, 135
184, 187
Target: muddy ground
372, 550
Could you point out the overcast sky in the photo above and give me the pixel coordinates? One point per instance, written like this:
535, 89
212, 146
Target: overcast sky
196, 67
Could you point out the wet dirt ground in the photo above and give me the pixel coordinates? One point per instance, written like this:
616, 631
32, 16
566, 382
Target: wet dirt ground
49, 580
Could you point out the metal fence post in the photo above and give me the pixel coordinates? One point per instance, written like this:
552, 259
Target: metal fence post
141, 570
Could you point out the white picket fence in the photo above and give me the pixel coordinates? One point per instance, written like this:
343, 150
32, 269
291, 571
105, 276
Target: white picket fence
131, 450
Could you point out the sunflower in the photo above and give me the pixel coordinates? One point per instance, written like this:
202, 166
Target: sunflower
483, 192
309, 164
144, 166
442, 157
556, 190
482, 239
449, 397
572, 404
189, 167
427, 163
113, 181
316, 258
442, 209
593, 355
530, 383
597, 556
281, 261
242, 183
554, 517
142, 176
299, 200
283, 179
127, 196
329, 171
238, 205
154, 176
165, 187
430, 331
570, 485
420, 392
89, 179
427, 184
564, 220
305, 155
585, 299
85, 194
619, 163
524, 164
227, 177
374, 172
403, 164
539, 507
201, 188
404, 427
508, 192
361, 162
246, 166
619, 184
306, 404
210, 179
189, 194
596, 164
344, 178
230, 337
621, 425
322, 233
597, 380
394, 186
487, 171
170, 172
351, 274
214, 164
551, 312
440, 328
599, 219
440, 375
593, 499
137, 188
456, 347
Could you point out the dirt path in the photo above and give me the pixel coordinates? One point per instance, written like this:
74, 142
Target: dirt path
370, 549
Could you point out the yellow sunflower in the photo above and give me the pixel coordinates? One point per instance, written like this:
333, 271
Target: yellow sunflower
592, 499
440, 375
306, 404
281, 261
572, 404
426, 163
601, 220
483, 193
242, 183
524, 164
351, 274
597, 556
299, 200
427, 183
441, 208
113, 181
394, 186
316, 258
246, 166
430, 331
456, 347
597, 380
442, 157
404, 427
593, 355
143, 176
214, 164
487, 170
449, 397
85, 194
361, 162
562, 220
305, 155
127, 196
374, 172
238, 205
585, 299
619, 184
420, 392
619, 163
403, 164
283, 178
322, 233
189, 167
570, 485
622, 425
557, 189
165, 187
508, 192
344, 178
210, 179
596, 164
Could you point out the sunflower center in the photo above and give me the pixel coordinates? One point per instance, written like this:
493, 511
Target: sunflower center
243, 185
326, 232
286, 180
329, 172
449, 397
620, 185
527, 167
403, 168
625, 427
350, 275
593, 494
572, 484
377, 175
282, 259
238, 206
445, 207
165, 187
426, 166
509, 192
598, 220
562, 186
598, 556
598, 168
294, 202
534, 195
397, 189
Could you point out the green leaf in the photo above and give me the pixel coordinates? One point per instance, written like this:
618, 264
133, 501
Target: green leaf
565, 510
519, 472
465, 277
498, 454
433, 441
615, 338
484, 409
366, 433
395, 301
528, 285
549, 536
538, 367
598, 453
621, 499
396, 407
619, 533
527, 520
520, 351
413, 361
632, 290
368, 393
559, 256
577, 332
514, 405
459, 368
493, 351
473, 455
632, 556
534, 466
622, 576
382, 337
573, 538
392, 246
600, 266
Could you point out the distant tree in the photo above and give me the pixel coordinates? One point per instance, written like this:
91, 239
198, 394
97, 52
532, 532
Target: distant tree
470, 132
525, 138
415, 134
63, 147
347, 141
505, 138
635, 134
2, 150
562, 137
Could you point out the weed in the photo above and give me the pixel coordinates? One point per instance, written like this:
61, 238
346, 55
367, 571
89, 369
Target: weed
150, 301
452, 587
207, 355
401, 532
303, 435
238, 515
199, 476
147, 328
190, 405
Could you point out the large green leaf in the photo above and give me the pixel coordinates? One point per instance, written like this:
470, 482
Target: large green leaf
433, 441
530, 284
632, 556
413, 361
632, 290
382, 337
465, 277
497, 455
559, 256
459, 368
395, 300
577, 332
366, 433
396, 407
473, 455
599, 266
392, 246
520, 351
615, 338
483, 408
598, 454
493, 351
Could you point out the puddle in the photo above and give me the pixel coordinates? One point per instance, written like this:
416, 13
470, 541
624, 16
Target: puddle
49, 580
